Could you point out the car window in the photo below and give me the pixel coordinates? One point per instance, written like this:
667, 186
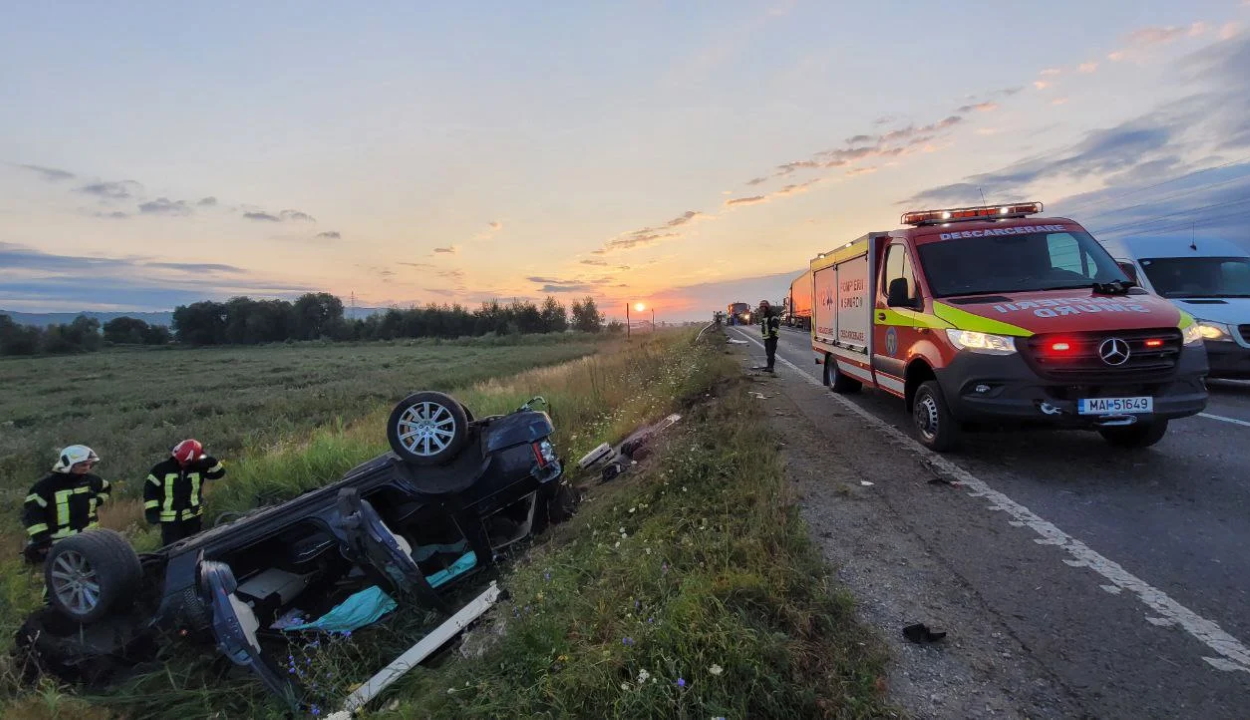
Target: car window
1067, 254
898, 265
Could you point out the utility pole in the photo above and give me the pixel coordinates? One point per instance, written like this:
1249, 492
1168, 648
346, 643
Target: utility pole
353, 315
626, 321
652, 319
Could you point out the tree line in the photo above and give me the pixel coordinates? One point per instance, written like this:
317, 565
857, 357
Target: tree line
314, 316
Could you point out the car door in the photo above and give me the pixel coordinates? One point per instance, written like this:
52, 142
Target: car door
894, 324
234, 626
372, 542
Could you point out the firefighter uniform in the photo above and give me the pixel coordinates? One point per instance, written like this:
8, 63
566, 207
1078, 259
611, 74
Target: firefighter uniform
173, 492
770, 326
63, 504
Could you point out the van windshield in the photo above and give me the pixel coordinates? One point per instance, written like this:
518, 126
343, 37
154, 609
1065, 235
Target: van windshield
1017, 263
1199, 277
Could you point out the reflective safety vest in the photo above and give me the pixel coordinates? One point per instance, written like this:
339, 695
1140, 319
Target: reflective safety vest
173, 492
63, 504
770, 326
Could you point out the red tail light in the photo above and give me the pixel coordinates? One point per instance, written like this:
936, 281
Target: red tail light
538, 455
1154, 343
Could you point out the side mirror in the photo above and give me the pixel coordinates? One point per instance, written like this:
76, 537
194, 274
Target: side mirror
898, 295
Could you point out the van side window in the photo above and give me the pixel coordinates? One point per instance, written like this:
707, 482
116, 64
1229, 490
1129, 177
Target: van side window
1066, 254
1130, 270
898, 266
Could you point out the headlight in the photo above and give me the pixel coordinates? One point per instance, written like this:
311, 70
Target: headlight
983, 343
1207, 330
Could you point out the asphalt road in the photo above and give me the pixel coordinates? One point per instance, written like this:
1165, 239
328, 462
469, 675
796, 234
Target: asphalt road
1127, 574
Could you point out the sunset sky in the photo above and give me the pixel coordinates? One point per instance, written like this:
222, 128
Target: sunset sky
682, 155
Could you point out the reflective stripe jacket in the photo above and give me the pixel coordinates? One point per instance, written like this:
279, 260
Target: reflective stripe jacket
770, 325
172, 492
63, 504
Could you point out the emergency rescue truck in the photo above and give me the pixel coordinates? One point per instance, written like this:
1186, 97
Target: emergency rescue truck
984, 315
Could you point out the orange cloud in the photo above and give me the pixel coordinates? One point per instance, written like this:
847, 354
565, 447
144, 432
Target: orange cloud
1088, 67
1059, 101
1050, 72
1041, 84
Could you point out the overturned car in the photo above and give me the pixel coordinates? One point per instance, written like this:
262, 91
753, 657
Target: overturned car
423, 518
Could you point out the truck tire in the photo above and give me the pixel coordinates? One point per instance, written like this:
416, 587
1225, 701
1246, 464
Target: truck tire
428, 428
838, 381
91, 575
937, 428
1137, 436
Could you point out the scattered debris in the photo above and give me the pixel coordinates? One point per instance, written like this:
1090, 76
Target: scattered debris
920, 633
865, 483
943, 481
759, 396
615, 461
732, 341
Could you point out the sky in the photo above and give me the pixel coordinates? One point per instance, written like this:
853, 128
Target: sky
678, 155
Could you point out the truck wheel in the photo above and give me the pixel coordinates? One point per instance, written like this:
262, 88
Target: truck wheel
91, 575
428, 428
838, 381
936, 426
1140, 435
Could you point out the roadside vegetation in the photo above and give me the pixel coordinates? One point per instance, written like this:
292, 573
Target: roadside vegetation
688, 589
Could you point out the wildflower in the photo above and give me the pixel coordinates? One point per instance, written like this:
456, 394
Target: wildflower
625, 686
648, 550
618, 544
540, 597
627, 641
621, 531
681, 682
664, 568
547, 577
347, 633
716, 669
650, 619
316, 710
631, 510
643, 675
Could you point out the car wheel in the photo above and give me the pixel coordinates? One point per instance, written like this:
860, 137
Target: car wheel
935, 425
1136, 436
428, 428
91, 575
838, 381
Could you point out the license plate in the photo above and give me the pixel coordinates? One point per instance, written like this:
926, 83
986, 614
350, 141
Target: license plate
1116, 406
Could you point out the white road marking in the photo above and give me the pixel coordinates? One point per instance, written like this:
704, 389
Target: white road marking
1221, 418
1235, 655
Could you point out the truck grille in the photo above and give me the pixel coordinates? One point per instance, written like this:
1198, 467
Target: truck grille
1245, 332
1152, 356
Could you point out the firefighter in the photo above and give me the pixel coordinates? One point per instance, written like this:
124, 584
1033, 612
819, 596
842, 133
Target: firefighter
770, 325
173, 492
64, 502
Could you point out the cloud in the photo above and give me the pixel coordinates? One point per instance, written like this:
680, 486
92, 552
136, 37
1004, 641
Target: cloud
115, 215
1087, 68
416, 265
594, 262
47, 173
979, 107
207, 202
1041, 84
496, 226
753, 200
262, 217
1059, 101
330, 235
634, 240
988, 131
753, 181
575, 288
197, 267
165, 206
1116, 56
445, 250
860, 139
1149, 36
684, 218
1229, 30
296, 216
861, 171
451, 274
1050, 72
121, 190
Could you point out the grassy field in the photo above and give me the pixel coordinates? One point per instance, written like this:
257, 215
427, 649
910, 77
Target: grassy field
689, 589
131, 406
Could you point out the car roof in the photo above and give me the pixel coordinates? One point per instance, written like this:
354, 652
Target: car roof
1173, 246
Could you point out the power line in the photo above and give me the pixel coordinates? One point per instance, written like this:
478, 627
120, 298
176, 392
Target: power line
1134, 191
1144, 222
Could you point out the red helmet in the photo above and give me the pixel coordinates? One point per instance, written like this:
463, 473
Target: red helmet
187, 451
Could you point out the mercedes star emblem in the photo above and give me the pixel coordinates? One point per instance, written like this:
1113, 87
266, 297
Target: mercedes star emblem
1113, 351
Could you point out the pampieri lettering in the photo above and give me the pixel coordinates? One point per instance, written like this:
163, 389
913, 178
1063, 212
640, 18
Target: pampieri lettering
1055, 307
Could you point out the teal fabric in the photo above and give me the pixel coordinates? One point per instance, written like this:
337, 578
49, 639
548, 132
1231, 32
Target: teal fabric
459, 567
364, 608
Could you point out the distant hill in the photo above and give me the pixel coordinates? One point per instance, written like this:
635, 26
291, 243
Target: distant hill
56, 318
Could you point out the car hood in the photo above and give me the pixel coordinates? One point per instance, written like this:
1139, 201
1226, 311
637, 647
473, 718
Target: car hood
1232, 311
1048, 311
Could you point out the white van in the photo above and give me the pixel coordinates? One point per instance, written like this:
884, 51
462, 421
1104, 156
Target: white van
1206, 277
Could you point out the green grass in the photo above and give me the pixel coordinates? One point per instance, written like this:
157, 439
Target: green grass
713, 568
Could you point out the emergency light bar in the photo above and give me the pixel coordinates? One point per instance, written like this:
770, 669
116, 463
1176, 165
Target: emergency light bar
986, 212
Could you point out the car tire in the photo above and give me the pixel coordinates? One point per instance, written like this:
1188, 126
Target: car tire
428, 428
838, 381
937, 428
91, 575
1136, 436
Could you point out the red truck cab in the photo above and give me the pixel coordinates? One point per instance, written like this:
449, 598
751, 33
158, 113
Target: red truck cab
985, 315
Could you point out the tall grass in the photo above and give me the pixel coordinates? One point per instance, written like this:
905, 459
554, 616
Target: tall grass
593, 399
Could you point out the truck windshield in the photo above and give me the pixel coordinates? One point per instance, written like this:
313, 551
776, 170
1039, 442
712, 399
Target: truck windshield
1016, 263
1199, 277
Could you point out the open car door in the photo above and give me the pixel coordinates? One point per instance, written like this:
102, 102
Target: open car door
374, 543
235, 626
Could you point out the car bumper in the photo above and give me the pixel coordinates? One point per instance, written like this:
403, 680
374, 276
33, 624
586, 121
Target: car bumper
1228, 360
981, 388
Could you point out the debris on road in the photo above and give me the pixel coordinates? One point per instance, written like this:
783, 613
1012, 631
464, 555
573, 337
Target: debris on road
865, 483
920, 633
635, 447
732, 341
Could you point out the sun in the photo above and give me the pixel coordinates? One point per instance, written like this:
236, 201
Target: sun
639, 307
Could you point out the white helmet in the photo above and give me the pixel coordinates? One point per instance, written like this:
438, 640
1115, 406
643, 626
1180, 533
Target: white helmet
73, 455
